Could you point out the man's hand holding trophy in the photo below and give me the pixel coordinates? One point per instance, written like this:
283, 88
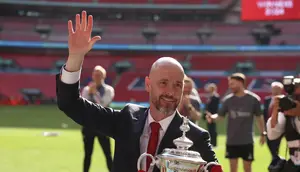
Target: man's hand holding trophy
180, 159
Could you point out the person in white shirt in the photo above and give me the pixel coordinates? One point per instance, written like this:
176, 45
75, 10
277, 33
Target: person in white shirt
273, 145
288, 124
98, 92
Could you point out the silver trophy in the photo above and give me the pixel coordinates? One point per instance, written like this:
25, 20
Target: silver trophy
180, 159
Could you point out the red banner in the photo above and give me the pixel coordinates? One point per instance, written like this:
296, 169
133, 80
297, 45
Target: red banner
253, 10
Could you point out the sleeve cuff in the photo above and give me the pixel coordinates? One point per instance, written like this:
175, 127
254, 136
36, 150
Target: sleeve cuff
70, 77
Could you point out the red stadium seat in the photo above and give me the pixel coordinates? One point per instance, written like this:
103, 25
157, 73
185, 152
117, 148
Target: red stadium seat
214, 63
144, 63
124, 1
33, 61
12, 83
280, 63
177, 1
123, 89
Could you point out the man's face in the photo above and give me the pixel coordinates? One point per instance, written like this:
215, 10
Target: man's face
235, 85
297, 90
276, 90
297, 93
209, 89
98, 77
188, 87
165, 88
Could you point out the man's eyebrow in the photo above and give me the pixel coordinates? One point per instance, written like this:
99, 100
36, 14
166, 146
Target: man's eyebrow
164, 79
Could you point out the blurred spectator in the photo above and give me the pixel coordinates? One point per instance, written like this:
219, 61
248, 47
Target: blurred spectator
190, 103
212, 106
100, 93
276, 89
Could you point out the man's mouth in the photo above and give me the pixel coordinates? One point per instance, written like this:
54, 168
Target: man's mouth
168, 99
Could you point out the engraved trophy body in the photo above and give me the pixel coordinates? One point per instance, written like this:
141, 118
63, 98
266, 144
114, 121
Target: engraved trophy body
180, 159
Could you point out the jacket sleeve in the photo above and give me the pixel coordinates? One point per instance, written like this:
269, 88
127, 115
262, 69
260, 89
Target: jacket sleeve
205, 149
84, 112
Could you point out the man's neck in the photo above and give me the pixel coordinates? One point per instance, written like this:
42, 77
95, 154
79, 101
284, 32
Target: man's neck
156, 115
274, 95
99, 85
240, 93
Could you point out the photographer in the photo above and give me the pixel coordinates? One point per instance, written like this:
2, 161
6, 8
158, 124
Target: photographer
285, 120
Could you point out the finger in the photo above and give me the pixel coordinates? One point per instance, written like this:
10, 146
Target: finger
83, 21
90, 24
94, 40
70, 27
288, 112
77, 27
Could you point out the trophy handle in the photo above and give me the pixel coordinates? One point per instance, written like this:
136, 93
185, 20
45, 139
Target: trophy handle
142, 157
208, 164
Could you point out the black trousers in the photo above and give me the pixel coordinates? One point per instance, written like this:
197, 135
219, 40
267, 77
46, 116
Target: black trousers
88, 140
212, 129
274, 147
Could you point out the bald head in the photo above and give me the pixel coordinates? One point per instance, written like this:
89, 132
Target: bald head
167, 62
165, 86
99, 75
276, 88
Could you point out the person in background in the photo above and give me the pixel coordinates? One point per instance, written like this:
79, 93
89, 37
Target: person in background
100, 93
287, 123
241, 106
276, 90
190, 103
212, 107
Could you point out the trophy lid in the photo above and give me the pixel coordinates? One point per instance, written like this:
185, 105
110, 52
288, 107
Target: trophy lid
183, 144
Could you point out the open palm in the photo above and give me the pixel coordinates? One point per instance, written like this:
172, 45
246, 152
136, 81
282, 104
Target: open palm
80, 41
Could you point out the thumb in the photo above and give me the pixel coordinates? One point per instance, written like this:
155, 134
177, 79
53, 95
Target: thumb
94, 40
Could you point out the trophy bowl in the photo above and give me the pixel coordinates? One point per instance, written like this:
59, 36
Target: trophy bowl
177, 160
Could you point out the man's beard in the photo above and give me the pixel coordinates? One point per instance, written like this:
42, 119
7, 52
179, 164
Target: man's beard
235, 90
170, 109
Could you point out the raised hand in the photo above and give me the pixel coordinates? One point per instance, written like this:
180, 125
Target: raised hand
80, 41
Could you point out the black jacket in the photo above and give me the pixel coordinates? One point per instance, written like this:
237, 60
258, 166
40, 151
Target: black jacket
125, 127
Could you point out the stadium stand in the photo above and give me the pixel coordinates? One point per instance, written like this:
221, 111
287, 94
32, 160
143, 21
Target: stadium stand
130, 85
144, 1
128, 29
168, 32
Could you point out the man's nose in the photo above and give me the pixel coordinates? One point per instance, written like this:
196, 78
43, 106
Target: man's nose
171, 91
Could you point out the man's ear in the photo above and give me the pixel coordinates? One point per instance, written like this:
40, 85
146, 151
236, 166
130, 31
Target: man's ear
147, 83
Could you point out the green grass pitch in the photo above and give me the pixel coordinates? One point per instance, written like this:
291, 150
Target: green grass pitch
23, 148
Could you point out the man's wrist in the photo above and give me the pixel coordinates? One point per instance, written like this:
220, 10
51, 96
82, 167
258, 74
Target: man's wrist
264, 133
73, 64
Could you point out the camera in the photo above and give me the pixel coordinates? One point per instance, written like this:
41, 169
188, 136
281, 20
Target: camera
287, 102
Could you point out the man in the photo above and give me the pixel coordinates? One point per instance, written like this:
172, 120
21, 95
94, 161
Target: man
135, 129
241, 105
190, 104
212, 107
287, 123
276, 90
100, 93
